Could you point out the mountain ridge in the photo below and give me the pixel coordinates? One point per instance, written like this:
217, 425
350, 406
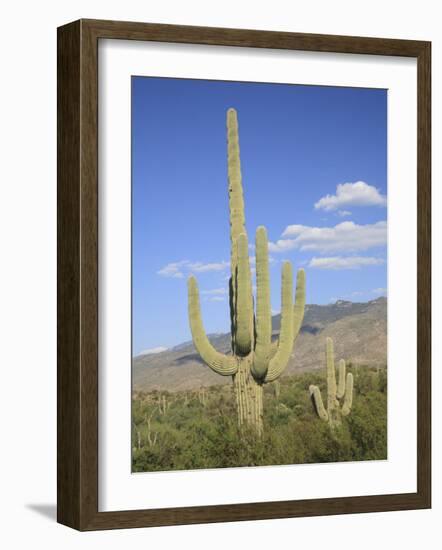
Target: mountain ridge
359, 330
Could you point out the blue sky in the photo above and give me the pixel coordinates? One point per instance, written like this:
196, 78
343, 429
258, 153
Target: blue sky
314, 166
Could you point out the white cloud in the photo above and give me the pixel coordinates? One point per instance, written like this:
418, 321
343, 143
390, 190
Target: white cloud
340, 262
282, 245
151, 351
172, 270
380, 291
177, 270
200, 267
343, 213
215, 292
346, 236
352, 194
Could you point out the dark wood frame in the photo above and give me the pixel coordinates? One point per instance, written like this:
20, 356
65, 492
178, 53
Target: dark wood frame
77, 223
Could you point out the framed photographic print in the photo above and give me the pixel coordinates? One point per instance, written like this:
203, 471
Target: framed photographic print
243, 275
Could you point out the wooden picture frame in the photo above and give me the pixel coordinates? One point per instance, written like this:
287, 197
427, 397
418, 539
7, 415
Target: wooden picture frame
77, 461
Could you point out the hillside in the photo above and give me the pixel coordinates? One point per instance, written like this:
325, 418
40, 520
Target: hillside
359, 331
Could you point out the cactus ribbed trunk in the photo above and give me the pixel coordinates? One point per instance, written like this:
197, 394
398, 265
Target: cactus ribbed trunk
249, 397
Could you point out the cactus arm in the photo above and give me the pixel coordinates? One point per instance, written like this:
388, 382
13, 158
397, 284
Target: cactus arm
218, 362
244, 303
315, 395
331, 376
263, 326
299, 307
341, 379
285, 345
348, 401
298, 310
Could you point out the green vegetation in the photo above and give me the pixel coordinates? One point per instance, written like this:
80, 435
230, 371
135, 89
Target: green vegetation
199, 429
255, 359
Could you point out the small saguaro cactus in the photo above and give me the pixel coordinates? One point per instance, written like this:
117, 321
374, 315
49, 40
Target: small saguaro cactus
277, 388
202, 396
335, 393
163, 405
255, 359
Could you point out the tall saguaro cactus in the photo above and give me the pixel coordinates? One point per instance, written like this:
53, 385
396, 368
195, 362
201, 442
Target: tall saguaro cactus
335, 392
255, 359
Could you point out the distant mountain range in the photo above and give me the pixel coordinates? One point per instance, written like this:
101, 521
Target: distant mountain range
359, 331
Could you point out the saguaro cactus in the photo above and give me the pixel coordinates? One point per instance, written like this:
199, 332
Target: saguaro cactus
335, 393
255, 360
163, 405
277, 388
202, 396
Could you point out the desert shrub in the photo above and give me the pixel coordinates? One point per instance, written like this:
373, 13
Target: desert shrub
193, 435
368, 427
